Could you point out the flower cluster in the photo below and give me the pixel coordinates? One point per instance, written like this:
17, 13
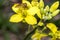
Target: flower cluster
26, 11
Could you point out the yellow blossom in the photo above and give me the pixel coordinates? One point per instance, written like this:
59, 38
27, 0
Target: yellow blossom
22, 15
54, 6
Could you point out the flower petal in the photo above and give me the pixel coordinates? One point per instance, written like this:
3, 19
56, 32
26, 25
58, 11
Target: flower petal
54, 6
52, 27
39, 15
31, 20
15, 8
16, 18
33, 10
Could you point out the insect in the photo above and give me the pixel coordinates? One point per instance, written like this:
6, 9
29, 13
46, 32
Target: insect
19, 2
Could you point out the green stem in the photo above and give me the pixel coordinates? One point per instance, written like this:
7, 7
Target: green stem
43, 29
30, 33
28, 28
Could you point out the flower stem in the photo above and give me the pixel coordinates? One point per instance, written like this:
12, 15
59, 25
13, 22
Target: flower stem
29, 34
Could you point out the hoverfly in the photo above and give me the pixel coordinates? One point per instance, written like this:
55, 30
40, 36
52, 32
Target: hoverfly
19, 2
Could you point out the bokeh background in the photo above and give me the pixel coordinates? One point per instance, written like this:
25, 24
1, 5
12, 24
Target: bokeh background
17, 31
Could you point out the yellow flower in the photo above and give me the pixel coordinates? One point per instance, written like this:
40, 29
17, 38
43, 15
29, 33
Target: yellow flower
54, 6
41, 4
22, 15
19, 17
52, 27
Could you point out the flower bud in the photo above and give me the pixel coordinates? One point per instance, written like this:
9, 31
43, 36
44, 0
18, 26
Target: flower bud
55, 12
54, 6
41, 4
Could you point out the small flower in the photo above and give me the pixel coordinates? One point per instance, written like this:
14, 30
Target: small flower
23, 15
54, 6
